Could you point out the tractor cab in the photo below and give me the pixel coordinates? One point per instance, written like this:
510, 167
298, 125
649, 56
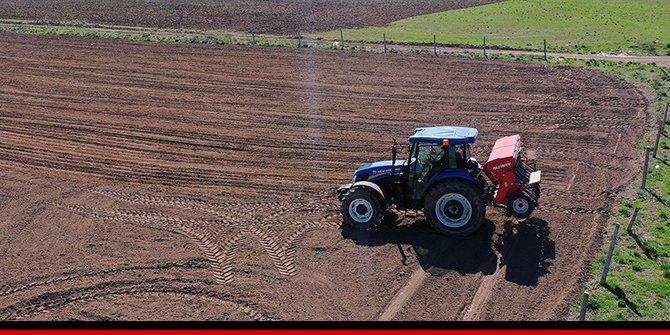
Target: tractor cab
437, 153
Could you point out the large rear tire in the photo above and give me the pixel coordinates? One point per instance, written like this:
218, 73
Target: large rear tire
362, 208
455, 207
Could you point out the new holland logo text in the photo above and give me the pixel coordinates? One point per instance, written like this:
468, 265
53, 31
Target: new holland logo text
380, 171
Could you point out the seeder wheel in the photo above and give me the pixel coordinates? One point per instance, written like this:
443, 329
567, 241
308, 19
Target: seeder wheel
520, 206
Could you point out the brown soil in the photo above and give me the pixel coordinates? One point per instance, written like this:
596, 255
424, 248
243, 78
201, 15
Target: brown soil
275, 16
171, 181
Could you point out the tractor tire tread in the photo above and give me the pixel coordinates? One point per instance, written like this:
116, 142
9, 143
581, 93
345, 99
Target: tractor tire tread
470, 192
374, 199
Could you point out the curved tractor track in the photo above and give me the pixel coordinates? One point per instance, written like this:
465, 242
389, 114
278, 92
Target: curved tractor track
121, 160
237, 219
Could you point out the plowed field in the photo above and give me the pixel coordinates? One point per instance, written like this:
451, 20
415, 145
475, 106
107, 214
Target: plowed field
267, 16
170, 181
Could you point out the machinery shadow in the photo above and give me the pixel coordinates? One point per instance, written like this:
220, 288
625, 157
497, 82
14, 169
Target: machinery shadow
526, 250
437, 254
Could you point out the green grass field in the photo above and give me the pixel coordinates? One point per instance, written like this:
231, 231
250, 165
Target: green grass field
584, 26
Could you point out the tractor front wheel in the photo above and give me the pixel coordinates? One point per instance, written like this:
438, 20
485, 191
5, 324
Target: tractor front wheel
455, 208
362, 208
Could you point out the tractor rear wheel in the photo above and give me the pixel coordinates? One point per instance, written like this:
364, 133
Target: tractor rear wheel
362, 208
455, 207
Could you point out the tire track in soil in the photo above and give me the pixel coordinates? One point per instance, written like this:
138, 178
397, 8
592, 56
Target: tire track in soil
472, 311
190, 265
576, 194
403, 295
487, 284
252, 219
53, 300
549, 207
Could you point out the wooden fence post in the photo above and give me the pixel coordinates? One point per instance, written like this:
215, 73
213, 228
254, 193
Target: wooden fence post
384, 42
629, 228
341, 40
646, 166
603, 279
545, 51
665, 73
665, 116
434, 44
585, 303
485, 55
658, 137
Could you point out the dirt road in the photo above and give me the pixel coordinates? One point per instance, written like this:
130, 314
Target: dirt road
376, 47
173, 181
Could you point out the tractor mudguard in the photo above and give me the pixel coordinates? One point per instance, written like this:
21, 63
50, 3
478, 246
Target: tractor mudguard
346, 187
454, 173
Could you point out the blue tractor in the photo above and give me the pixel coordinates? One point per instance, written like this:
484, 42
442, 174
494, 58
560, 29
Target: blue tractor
442, 179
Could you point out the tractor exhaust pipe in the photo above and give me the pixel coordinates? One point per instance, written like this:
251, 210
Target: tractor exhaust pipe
394, 153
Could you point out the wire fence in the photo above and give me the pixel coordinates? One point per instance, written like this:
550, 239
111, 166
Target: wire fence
630, 227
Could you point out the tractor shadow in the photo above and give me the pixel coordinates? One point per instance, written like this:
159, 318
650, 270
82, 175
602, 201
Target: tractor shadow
524, 249
437, 254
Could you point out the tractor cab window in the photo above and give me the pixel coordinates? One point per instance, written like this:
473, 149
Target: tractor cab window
429, 159
432, 157
426, 157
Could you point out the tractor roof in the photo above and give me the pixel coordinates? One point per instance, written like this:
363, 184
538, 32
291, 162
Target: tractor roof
455, 135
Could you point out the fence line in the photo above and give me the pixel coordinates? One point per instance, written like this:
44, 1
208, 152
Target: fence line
603, 279
644, 170
585, 302
629, 228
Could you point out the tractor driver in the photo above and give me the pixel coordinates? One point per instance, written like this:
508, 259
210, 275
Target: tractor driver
431, 158
434, 157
